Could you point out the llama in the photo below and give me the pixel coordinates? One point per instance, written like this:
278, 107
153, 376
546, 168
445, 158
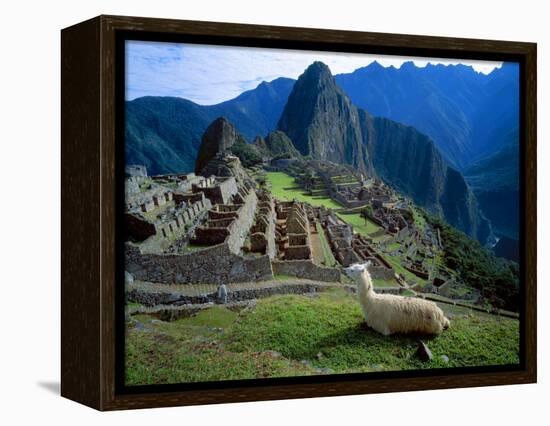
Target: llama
388, 314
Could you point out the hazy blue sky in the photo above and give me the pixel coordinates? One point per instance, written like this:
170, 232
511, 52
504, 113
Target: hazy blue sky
212, 74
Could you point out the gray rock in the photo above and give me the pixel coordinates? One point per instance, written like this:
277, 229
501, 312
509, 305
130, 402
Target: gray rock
319, 355
139, 326
423, 352
128, 278
324, 370
221, 295
444, 358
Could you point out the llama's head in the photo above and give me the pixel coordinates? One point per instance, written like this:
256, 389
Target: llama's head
357, 270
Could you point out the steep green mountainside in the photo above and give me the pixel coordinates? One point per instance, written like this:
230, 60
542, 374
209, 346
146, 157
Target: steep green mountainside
495, 181
497, 279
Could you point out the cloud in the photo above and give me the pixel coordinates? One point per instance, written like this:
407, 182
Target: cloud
212, 74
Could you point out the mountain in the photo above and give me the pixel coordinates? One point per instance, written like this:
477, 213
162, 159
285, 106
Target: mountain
219, 138
256, 112
495, 181
496, 122
467, 114
164, 133
276, 145
217, 151
464, 112
323, 124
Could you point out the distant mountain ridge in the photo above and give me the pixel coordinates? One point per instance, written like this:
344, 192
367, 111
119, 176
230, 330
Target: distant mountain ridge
464, 112
495, 181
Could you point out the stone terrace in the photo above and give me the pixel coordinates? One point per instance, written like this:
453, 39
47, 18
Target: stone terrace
293, 231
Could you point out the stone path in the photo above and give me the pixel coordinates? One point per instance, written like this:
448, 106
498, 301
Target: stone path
316, 249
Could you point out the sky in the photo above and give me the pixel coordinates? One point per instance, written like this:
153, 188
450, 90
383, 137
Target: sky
211, 74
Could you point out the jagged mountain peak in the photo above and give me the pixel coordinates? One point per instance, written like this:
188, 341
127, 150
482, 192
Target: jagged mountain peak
218, 138
322, 122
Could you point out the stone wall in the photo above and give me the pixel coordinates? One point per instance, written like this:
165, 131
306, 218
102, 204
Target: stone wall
136, 228
241, 225
211, 265
346, 202
305, 269
381, 272
220, 192
168, 299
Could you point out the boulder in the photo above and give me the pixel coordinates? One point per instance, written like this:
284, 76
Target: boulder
423, 352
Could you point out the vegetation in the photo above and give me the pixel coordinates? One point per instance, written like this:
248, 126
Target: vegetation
298, 335
247, 153
366, 212
362, 225
379, 282
497, 279
329, 257
283, 187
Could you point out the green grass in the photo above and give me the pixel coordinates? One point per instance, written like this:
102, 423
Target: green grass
218, 344
283, 187
327, 252
395, 262
393, 247
189, 350
378, 282
332, 324
359, 224
419, 219
282, 277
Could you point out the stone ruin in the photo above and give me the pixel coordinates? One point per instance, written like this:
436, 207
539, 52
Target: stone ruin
215, 226
262, 233
164, 211
349, 247
228, 222
293, 231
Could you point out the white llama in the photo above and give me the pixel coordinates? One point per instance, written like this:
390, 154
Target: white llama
388, 314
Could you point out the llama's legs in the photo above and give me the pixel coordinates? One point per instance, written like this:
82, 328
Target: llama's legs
382, 329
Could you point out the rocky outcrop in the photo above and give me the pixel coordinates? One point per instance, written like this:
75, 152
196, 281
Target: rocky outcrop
276, 145
218, 139
219, 142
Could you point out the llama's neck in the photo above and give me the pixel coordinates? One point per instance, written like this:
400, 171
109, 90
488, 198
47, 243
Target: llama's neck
364, 288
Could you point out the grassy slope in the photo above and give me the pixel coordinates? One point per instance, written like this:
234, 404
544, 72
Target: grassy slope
359, 224
283, 187
329, 257
219, 345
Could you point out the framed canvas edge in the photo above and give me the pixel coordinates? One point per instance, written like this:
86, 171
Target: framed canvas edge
110, 400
